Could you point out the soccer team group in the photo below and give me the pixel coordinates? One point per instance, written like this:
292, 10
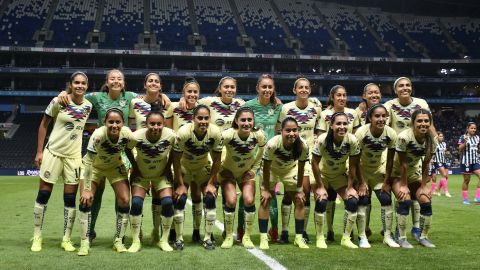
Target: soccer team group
217, 143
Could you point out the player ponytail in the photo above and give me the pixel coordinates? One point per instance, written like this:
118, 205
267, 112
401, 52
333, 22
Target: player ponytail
297, 144
156, 109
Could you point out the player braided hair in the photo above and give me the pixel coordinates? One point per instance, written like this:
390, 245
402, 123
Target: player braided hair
113, 110
333, 91
297, 144
240, 111
429, 138
371, 110
274, 94
217, 91
329, 140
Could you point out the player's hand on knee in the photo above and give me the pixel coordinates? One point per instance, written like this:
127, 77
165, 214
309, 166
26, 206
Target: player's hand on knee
403, 192
351, 193
86, 198
363, 190
265, 197
321, 194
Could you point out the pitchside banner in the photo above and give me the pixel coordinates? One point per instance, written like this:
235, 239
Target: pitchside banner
19, 172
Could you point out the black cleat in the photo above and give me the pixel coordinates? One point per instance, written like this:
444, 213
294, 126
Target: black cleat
178, 245
92, 236
213, 238
208, 244
283, 238
172, 236
330, 236
306, 238
196, 236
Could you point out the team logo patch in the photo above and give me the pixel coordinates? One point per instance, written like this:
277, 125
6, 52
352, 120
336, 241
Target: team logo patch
46, 174
122, 103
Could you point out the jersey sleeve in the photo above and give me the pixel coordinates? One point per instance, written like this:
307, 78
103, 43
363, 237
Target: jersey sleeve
322, 124
394, 138
53, 108
94, 140
401, 145
283, 114
269, 150
131, 111
218, 141
356, 120
354, 146
304, 156
179, 145
132, 141
461, 140
168, 113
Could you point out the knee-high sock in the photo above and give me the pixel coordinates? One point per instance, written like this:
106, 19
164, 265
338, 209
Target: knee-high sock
306, 217
387, 217
273, 208
229, 220
465, 195
348, 222
330, 215
402, 225
241, 214
249, 220
197, 209
415, 214
477, 194
156, 215
210, 217
179, 220
367, 215
425, 223
38, 214
122, 223
443, 183
96, 205
361, 220
319, 219
136, 225
434, 185
84, 218
286, 209
166, 225
69, 214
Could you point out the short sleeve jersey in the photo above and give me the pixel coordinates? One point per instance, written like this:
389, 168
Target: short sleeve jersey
108, 153
362, 115
101, 102
152, 157
195, 150
325, 117
334, 162
281, 158
222, 114
373, 149
66, 137
139, 110
266, 117
470, 154
180, 117
241, 154
307, 119
400, 116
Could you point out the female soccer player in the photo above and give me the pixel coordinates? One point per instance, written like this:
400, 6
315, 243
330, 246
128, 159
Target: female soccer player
333, 149
371, 96
190, 161
414, 149
267, 112
61, 157
152, 167
440, 165
377, 146
307, 114
191, 94
400, 110
337, 102
244, 150
468, 145
284, 160
104, 160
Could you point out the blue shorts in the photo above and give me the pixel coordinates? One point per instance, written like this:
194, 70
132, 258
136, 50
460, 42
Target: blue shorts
437, 165
470, 168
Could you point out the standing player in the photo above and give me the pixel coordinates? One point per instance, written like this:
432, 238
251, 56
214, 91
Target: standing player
61, 156
371, 96
190, 161
400, 112
284, 160
333, 149
104, 160
337, 102
306, 114
440, 165
468, 145
377, 145
244, 150
152, 167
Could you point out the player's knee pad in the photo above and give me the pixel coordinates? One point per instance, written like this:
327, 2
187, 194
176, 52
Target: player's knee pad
384, 198
307, 199
137, 206
363, 200
320, 206
43, 196
332, 194
229, 209
181, 201
123, 210
209, 201
351, 204
167, 206
250, 208
426, 209
404, 207
69, 199
84, 208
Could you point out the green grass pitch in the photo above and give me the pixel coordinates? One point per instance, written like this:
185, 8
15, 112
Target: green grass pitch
454, 231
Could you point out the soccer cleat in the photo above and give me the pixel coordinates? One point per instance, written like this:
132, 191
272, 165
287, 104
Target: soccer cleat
306, 238
300, 241
347, 242
416, 232
84, 248
321, 242
163, 245
368, 232
91, 236
67, 245
196, 236
172, 236
273, 232
208, 244
448, 195
426, 243
330, 236
403, 243
388, 240
247, 242
228, 242
135, 247
212, 237
263, 241
119, 247
437, 193
363, 243
36, 244
283, 238
240, 233
466, 202
178, 245
155, 237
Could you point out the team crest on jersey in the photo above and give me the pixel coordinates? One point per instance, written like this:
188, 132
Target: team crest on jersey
122, 103
77, 114
225, 111
406, 114
302, 117
153, 150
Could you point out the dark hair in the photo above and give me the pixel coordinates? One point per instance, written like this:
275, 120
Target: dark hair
365, 88
105, 87
371, 110
150, 74
198, 108
217, 91
297, 144
190, 80
113, 110
333, 91
300, 78
329, 142
156, 109
468, 126
274, 95
237, 115
429, 139
72, 77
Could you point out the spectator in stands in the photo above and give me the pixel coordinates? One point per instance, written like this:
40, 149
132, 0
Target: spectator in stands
469, 147
62, 156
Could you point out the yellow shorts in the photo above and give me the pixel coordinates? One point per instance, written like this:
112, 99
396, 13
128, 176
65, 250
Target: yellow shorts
158, 183
114, 174
335, 182
238, 177
55, 166
289, 180
309, 172
198, 176
373, 180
